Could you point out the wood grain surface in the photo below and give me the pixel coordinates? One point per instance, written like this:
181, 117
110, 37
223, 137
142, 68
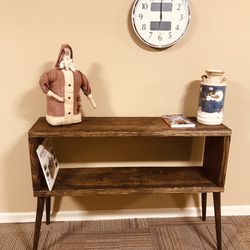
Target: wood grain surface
131, 180
123, 127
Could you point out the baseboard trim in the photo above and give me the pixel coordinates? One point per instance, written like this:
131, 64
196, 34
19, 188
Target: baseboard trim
124, 214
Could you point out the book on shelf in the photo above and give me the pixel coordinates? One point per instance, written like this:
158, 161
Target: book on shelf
178, 121
48, 162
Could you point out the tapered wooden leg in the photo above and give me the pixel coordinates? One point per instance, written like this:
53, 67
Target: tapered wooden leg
204, 205
217, 213
39, 214
48, 202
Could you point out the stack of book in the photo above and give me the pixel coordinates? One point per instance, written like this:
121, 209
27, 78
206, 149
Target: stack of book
178, 121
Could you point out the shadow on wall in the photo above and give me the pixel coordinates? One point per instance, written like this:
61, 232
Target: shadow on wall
100, 93
114, 152
191, 98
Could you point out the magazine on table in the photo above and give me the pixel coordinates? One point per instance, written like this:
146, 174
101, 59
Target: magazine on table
48, 162
178, 121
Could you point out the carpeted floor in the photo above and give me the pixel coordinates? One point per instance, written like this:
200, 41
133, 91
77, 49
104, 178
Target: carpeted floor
131, 234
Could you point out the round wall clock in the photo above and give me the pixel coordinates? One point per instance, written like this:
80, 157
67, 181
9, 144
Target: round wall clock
160, 23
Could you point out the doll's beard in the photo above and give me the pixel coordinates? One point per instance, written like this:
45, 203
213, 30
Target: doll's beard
67, 64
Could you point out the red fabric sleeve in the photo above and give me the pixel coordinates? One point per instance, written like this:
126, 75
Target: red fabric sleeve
85, 85
46, 79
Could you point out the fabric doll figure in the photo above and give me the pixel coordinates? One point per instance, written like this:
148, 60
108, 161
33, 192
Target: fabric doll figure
62, 86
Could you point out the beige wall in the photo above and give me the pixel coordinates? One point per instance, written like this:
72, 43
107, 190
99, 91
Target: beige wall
127, 78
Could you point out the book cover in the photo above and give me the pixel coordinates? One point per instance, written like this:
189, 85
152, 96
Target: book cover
48, 162
178, 121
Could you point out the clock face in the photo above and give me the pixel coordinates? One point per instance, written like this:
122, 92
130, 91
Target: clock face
160, 23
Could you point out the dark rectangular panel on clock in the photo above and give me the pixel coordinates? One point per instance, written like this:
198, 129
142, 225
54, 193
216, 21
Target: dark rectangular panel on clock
161, 6
155, 25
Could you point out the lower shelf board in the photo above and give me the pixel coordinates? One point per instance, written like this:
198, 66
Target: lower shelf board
130, 180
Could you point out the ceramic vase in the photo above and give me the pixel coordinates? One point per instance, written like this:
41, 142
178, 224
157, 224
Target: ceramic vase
212, 96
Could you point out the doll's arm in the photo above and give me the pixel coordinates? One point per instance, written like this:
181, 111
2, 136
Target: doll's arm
45, 82
87, 90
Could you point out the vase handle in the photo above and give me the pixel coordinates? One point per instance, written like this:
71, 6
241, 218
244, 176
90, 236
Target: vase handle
204, 77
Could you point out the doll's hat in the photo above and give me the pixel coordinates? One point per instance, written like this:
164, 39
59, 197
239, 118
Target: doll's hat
61, 54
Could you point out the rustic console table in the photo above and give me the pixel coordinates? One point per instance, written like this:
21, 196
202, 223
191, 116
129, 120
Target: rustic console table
209, 178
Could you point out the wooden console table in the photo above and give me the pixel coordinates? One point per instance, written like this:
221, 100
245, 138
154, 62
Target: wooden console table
209, 178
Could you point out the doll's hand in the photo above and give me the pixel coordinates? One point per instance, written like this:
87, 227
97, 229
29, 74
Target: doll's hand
92, 101
57, 97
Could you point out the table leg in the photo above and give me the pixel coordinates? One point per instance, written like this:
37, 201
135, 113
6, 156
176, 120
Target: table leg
204, 205
48, 202
39, 214
217, 213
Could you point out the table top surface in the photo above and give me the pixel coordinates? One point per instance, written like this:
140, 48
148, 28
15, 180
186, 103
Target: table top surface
124, 127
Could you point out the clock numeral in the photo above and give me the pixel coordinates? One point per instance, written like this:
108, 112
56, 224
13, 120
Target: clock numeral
159, 38
143, 27
150, 34
144, 6
178, 6
169, 34
177, 27
181, 17
141, 16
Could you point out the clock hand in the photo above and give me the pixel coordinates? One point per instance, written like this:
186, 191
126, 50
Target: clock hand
160, 14
161, 11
